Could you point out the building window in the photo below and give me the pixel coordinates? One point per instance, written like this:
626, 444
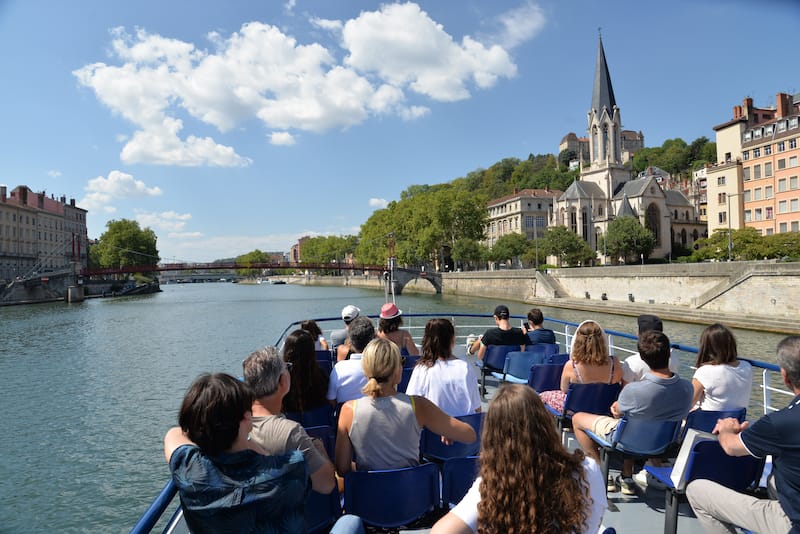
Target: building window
781, 146
768, 150
794, 205
795, 226
768, 169
793, 142
781, 163
782, 126
746, 173
757, 214
783, 207
757, 194
793, 161
781, 185
756, 172
748, 216
723, 217
746, 155
721, 180
770, 231
793, 182
721, 198
529, 221
768, 213
768, 192
757, 152
782, 227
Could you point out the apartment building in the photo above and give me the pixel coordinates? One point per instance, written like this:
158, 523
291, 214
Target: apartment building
39, 233
755, 184
525, 212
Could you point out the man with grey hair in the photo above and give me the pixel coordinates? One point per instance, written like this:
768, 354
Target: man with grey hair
720, 509
268, 376
347, 378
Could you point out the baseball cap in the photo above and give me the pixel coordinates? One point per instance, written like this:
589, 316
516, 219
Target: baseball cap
501, 312
349, 313
649, 322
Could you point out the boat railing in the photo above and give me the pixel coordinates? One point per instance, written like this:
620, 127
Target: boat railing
156, 510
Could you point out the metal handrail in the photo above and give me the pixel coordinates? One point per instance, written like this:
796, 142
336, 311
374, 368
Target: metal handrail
156, 509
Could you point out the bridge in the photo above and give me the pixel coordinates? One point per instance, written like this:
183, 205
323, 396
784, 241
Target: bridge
401, 277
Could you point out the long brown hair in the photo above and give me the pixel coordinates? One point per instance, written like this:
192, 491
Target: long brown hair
530, 482
717, 345
437, 341
589, 346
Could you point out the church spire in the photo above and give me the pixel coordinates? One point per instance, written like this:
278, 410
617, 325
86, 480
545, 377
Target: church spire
603, 92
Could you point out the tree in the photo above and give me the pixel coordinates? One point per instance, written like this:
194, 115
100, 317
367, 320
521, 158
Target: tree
567, 246
125, 244
509, 247
627, 238
253, 257
565, 156
467, 253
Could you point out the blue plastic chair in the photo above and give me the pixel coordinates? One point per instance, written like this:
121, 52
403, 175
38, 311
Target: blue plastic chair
560, 358
410, 361
458, 474
545, 377
638, 438
322, 416
325, 365
518, 366
327, 434
405, 379
392, 498
432, 448
706, 460
324, 356
494, 359
591, 398
546, 349
322, 511
706, 420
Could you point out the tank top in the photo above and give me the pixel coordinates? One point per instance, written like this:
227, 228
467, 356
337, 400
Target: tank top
385, 432
578, 373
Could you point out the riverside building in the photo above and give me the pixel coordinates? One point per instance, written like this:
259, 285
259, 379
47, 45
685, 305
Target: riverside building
39, 233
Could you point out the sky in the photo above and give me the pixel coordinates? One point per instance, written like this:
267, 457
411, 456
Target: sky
233, 126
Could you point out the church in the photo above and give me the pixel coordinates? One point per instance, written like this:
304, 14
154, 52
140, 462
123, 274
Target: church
607, 188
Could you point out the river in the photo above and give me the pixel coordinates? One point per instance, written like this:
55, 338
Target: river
89, 389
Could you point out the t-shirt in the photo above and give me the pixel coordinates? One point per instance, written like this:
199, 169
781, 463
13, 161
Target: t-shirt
656, 398
240, 492
467, 509
449, 384
385, 433
634, 368
337, 338
541, 335
777, 434
346, 380
278, 435
725, 387
498, 336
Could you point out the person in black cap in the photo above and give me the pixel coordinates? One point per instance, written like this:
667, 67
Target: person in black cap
502, 334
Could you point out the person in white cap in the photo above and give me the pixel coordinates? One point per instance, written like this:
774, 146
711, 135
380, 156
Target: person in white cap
389, 328
339, 337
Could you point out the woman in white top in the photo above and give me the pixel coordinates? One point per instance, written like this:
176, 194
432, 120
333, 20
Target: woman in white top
440, 377
722, 381
381, 430
559, 492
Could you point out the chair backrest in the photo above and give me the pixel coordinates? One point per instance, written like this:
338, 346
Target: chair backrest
495, 356
394, 497
325, 365
403, 351
518, 364
544, 348
322, 416
706, 420
592, 398
545, 377
645, 437
324, 355
322, 511
325, 433
405, 379
432, 448
410, 362
560, 359
458, 474
709, 461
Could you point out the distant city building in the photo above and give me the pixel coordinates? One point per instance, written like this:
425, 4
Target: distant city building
630, 143
698, 194
40, 233
295, 254
606, 191
578, 145
755, 181
524, 212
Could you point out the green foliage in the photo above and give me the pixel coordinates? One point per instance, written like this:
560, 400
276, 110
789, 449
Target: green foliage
627, 238
676, 157
567, 246
123, 244
565, 156
510, 247
254, 257
328, 249
748, 244
468, 253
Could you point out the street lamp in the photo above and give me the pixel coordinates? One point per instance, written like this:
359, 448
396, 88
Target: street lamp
730, 231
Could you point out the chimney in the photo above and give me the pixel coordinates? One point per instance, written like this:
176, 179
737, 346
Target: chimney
3, 192
23, 196
72, 202
40, 200
737, 112
63, 199
516, 190
784, 102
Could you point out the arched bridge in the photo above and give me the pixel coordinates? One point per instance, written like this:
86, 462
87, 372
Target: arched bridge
401, 276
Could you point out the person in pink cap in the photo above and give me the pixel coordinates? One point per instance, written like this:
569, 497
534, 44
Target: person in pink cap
389, 328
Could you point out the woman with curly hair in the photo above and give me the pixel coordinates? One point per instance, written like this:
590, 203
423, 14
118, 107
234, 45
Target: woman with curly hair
589, 363
313, 328
722, 381
559, 492
440, 377
309, 383
391, 318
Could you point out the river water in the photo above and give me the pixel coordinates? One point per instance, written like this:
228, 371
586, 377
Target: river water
89, 389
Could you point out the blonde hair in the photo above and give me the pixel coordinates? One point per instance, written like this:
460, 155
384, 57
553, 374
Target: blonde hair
589, 346
380, 360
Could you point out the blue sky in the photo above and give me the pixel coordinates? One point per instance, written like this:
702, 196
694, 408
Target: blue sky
231, 126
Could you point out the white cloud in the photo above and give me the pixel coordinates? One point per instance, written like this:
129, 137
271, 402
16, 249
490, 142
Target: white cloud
288, 6
53, 173
166, 220
199, 248
380, 203
102, 191
520, 24
156, 82
121, 138
281, 138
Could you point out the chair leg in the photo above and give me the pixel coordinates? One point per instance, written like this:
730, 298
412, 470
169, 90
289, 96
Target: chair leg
672, 501
605, 459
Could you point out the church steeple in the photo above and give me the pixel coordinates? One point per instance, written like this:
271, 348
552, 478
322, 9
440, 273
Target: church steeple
603, 93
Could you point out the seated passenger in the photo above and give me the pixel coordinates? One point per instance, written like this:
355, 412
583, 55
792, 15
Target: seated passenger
266, 374
589, 363
381, 430
339, 337
440, 377
225, 481
721, 381
661, 396
633, 367
309, 381
389, 328
528, 482
502, 334
347, 377
312, 328
534, 329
